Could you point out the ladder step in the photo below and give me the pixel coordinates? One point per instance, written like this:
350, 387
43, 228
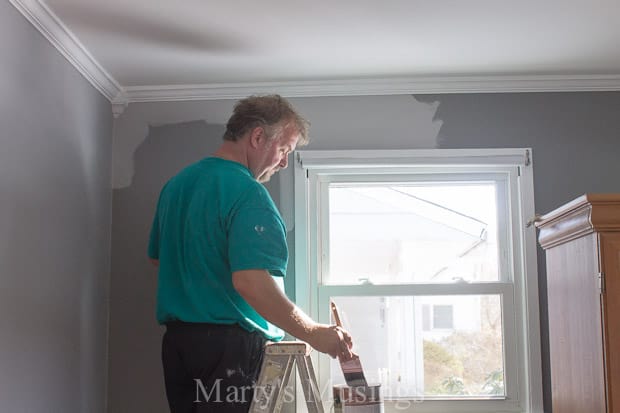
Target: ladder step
288, 347
278, 363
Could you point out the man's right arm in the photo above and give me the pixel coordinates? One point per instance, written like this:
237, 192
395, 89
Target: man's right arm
259, 289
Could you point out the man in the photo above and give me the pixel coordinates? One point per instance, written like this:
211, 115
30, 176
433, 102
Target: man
220, 246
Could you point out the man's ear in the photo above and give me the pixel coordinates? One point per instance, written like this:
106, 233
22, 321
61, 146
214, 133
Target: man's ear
257, 135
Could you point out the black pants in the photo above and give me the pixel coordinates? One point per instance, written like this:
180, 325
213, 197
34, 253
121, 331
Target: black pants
210, 367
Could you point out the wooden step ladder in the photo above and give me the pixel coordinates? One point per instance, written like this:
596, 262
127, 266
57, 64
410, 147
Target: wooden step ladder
278, 363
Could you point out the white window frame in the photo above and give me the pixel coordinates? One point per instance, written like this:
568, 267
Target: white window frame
518, 283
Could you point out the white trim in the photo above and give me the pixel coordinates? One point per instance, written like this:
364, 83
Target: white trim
397, 290
303, 286
46, 21
378, 86
530, 317
410, 158
118, 108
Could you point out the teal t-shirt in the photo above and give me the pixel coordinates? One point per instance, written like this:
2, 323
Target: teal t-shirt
213, 219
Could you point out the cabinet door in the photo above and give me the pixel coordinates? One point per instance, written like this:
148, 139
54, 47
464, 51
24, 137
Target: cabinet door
575, 329
610, 264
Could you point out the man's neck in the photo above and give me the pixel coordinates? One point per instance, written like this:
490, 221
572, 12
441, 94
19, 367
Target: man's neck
232, 151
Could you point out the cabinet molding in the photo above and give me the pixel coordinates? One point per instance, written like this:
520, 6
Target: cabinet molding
586, 214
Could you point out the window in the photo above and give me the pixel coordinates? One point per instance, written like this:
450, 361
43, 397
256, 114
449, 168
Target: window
442, 316
429, 259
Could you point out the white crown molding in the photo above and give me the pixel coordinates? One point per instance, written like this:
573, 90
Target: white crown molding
395, 86
118, 108
70, 47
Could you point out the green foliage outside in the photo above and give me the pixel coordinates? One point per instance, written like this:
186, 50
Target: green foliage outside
466, 363
459, 365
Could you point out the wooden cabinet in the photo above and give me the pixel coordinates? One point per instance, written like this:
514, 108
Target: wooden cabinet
582, 246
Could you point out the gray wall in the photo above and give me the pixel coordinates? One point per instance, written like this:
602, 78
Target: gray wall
575, 144
55, 197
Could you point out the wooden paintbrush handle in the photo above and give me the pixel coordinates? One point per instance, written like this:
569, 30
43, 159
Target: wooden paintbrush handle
335, 313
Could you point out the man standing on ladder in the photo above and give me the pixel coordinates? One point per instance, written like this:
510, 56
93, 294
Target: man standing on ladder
220, 245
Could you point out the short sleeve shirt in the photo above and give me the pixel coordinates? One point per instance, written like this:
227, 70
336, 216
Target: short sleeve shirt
213, 219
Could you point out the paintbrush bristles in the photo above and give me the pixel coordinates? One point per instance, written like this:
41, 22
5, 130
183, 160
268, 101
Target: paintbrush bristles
353, 372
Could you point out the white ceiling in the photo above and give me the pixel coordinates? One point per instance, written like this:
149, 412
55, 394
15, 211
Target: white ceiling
149, 45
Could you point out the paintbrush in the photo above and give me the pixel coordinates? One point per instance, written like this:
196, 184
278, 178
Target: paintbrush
352, 369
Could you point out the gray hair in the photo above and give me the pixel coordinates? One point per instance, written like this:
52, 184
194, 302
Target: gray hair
271, 112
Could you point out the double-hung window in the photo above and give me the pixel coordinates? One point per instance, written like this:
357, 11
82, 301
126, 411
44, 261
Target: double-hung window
429, 258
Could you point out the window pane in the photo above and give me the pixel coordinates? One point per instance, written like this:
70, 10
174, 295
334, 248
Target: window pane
410, 360
404, 233
442, 316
